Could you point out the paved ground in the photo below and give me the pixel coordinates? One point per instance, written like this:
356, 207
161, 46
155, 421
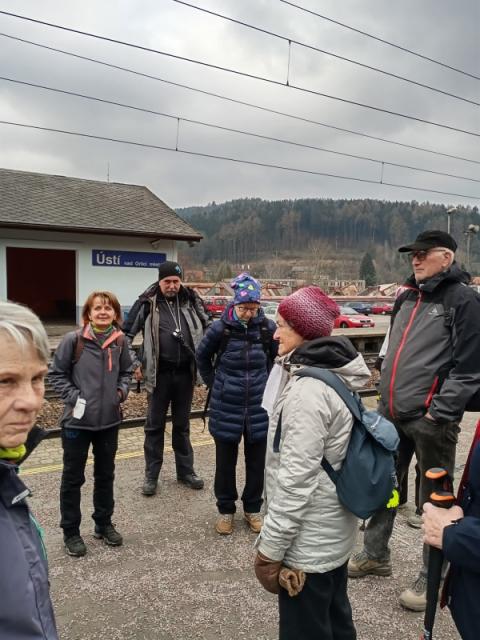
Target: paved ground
175, 579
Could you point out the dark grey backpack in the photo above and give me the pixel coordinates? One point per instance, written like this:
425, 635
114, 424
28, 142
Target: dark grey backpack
367, 478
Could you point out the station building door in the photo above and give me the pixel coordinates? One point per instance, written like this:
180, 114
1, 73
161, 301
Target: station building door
44, 280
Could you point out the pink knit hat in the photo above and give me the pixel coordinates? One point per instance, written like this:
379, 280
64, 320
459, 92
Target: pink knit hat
310, 312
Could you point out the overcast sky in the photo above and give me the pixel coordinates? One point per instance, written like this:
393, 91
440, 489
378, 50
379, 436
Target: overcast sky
440, 29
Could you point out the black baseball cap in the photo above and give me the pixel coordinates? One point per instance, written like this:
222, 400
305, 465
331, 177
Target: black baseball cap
429, 240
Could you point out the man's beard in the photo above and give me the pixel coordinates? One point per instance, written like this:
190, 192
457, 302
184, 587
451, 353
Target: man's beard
170, 294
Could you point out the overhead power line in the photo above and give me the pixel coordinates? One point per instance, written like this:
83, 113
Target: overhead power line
241, 102
211, 125
236, 160
382, 40
251, 76
291, 41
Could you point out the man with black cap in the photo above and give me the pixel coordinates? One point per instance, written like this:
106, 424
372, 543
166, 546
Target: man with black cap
172, 320
429, 374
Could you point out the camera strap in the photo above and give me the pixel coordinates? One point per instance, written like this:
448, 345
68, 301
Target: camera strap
176, 320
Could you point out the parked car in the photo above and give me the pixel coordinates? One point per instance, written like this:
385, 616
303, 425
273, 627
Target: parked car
349, 318
270, 310
216, 304
361, 307
382, 307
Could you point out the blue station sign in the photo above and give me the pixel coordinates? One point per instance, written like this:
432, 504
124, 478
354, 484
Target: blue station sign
104, 258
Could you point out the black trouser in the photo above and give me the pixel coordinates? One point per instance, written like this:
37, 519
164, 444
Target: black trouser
225, 477
321, 611
175, 388
76, 443
434, 445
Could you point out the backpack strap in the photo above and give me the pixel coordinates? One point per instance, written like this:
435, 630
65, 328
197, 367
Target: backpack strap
226, 335
78, 347
333, 381
266, 339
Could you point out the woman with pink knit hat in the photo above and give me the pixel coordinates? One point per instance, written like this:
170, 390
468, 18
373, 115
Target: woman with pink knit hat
308, 536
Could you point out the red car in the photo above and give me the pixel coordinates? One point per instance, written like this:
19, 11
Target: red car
382, 307
349, 318
216, 304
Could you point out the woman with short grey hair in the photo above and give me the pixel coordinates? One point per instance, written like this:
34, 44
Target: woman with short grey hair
25, 608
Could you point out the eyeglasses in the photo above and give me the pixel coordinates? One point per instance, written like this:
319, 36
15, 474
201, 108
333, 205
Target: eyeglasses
252, 310
421, 255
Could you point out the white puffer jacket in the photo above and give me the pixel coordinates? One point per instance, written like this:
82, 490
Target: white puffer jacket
305, 525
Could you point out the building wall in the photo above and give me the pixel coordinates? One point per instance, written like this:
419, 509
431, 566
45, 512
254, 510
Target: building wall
125, 282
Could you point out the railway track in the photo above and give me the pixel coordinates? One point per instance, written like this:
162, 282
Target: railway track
133, 423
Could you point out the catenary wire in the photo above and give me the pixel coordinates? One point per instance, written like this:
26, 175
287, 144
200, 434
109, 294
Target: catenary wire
382, 40
237, 101
234, 130
243, 74
236, 160
290, 40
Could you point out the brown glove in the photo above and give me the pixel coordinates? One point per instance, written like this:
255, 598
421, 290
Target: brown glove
292, 580
267, 572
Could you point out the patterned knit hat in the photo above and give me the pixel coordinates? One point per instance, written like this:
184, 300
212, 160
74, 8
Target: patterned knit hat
246, 289
310, 312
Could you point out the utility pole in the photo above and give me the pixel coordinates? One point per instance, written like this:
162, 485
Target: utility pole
472, 230
449, 213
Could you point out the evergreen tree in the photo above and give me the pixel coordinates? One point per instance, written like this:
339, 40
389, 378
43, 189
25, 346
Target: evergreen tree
367, 270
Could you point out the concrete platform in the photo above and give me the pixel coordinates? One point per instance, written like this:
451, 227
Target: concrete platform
175, 578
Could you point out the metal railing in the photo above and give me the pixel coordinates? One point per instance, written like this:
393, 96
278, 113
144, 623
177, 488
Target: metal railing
134, 423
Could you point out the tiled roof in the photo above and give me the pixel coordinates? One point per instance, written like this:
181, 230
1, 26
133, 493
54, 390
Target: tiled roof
41, 201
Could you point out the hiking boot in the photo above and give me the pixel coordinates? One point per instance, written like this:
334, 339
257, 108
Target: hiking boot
361, 565
75, 546
255, 521
109, 535
415, 520
191, 480
149, 487
224, 524
415, 598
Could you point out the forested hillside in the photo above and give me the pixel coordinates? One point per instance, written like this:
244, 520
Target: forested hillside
251, 230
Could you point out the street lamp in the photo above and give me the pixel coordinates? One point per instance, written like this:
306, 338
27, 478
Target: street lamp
472, 229
449, 213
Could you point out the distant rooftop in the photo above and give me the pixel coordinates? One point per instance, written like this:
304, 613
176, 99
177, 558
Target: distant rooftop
60, 203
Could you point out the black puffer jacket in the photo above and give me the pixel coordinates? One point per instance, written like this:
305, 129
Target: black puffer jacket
432, 361
239, 380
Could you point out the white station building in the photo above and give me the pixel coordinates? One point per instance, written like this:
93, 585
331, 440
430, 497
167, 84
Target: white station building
62, 238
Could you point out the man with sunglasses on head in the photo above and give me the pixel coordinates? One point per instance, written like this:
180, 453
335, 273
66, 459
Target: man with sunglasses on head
429, 374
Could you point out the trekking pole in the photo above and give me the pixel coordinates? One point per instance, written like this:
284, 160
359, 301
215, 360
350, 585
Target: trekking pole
442, 496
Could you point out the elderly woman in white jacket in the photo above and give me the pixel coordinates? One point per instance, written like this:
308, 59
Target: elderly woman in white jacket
308, 536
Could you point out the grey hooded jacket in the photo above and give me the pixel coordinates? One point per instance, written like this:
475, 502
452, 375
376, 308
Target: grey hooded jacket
26, 611
144, 317
432, 360
305, 525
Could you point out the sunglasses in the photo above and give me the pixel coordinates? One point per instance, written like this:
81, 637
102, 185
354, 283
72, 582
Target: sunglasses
421, 255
